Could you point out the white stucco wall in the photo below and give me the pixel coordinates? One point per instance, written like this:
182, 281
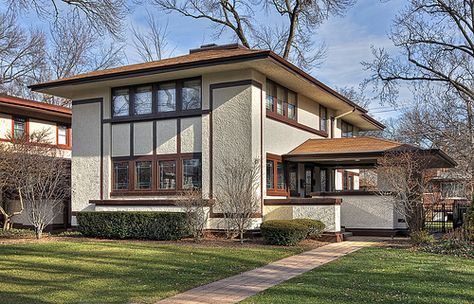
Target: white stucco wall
5, 125
143, 138
121, 139
86, 156
191, 134
368, 212
330, 215
166, 136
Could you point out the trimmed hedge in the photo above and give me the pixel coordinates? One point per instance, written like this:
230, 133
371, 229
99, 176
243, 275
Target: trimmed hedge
283, 232
315, 228
133, 225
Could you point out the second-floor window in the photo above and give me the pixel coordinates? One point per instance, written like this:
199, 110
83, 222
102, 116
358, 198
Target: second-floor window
323, 118
19, 128
347, 130
62, 135
281, 100
168, 97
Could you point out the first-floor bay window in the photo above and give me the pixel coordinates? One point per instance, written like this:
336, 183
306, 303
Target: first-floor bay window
167, 174
276, 183
156, 175
120, 176
192, 173
143, 173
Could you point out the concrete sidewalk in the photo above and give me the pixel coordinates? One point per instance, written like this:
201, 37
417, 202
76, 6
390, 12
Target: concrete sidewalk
239, 287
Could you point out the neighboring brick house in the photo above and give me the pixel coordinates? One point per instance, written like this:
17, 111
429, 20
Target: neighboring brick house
143, 132
20, 118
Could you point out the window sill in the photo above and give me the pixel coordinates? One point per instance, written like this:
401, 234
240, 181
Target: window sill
163, 192
295, 124
271, 192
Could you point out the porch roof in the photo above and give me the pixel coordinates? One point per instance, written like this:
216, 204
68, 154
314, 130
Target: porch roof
360, 152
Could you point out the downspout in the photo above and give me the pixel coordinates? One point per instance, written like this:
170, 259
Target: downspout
334, 119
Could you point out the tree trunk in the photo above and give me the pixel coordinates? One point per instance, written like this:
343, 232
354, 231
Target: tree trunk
39, 233
7, 222
241, 236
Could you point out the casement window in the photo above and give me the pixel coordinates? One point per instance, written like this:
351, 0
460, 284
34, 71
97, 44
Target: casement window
324, 179
281, 101
167, 174
120, 176
19, 128
156, 175
192, 173
143, 100
62, 135
323, 118
120, 103
347, 130
166, 96
161, 99
143, 175
276, 181
191, 95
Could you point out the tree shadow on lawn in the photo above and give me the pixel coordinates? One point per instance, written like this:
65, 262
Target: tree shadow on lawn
373, 275
117, 272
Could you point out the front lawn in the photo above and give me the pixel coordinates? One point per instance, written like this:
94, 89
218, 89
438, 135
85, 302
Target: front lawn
118, 272
380, 275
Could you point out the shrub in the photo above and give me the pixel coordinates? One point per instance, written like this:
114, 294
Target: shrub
17, 234
133, 225
283, 232
453, 243
421, 237
468, 224
315, 228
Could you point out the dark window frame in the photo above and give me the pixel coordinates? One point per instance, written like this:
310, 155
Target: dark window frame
275, 191
155, 159
346, 129
155, 113
274, 96
26, 131
323, 122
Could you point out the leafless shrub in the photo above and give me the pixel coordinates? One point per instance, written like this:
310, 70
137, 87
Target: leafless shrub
196, 209
402, 177
237, 196
38, 174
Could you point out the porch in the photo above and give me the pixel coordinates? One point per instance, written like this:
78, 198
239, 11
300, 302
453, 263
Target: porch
335, 181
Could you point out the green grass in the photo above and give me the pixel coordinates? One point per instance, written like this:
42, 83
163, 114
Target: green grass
380, 275
118, 272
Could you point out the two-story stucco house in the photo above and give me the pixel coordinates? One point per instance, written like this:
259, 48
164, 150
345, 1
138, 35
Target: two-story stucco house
142, 132
20, 118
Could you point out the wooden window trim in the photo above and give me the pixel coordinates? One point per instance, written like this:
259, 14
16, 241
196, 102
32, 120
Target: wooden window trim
276, 159
275, 86
154, 113
68, 144
26, 129
154, 191
320, 118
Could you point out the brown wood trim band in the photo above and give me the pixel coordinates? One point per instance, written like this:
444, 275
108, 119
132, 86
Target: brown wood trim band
135, 202
86, 101
317, 201
221, 215
340, 193
295, 124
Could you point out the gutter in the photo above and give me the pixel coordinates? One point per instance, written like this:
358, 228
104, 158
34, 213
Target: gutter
333, 119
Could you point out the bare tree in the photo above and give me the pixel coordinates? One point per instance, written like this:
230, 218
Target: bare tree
152, 44
8, 176
292, 41
102, 15
197, 211
38, 175
237, 197
403, 178
22, 54
435, 39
